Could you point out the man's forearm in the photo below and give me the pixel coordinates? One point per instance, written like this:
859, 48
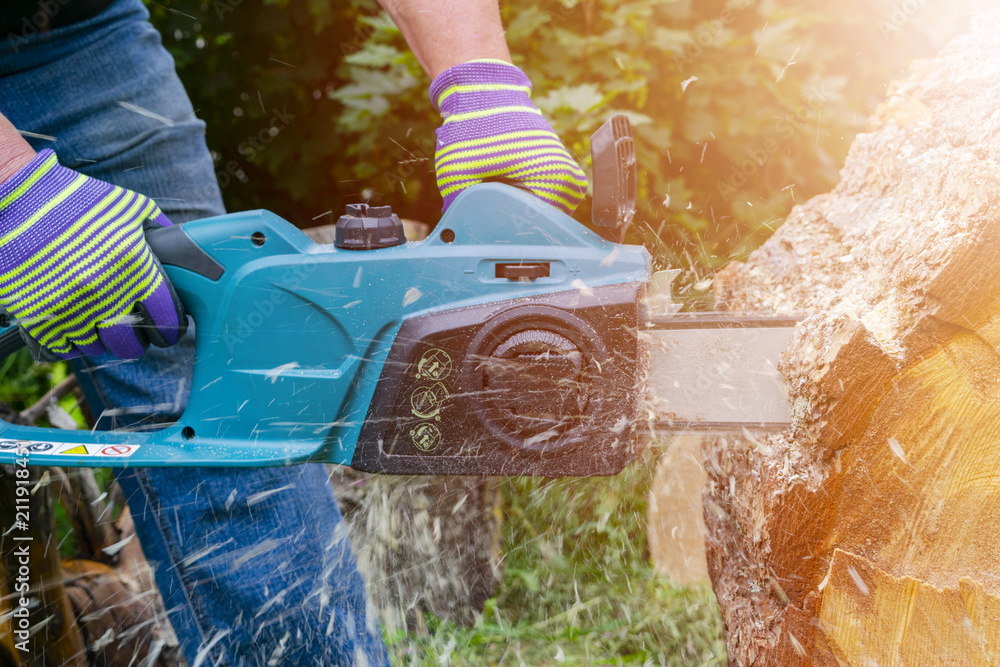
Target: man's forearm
443, 33
15, 152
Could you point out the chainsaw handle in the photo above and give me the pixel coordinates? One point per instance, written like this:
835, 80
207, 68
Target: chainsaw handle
10, 342
175, 248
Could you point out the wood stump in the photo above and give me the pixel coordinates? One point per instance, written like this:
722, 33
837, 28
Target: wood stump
675, 523
867, 533
425, 544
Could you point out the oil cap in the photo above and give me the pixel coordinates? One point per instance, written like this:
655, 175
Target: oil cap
366, 227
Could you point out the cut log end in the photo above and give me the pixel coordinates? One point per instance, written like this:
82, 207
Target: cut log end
865, 534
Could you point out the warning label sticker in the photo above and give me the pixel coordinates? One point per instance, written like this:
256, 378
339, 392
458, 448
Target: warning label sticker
118, 450
28, 446
41, 448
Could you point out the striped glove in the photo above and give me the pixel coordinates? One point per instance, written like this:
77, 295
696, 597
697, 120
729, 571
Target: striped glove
492, 130
75, 270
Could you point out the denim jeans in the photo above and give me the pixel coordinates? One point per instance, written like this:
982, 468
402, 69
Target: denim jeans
254, 565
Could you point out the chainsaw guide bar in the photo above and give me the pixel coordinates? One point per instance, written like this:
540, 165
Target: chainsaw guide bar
717, 372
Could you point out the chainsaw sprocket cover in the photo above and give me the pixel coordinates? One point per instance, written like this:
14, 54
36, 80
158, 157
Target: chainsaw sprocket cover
543, 385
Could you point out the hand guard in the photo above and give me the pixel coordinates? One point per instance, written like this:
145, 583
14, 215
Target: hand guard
75, 270
492, 130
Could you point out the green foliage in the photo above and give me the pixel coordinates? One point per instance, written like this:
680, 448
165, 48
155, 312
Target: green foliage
741, 107
578, 587
22, 382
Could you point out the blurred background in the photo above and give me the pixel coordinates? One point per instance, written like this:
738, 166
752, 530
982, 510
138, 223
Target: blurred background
741, 108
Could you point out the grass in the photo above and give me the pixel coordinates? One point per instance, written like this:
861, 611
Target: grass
578, 587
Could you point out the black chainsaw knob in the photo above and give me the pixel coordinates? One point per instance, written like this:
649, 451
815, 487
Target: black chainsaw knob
366, 227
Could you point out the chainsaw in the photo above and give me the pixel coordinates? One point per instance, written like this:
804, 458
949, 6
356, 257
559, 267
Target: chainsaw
505, 343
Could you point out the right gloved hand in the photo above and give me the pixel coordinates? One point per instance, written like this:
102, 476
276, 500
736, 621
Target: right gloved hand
492, 130
75, 270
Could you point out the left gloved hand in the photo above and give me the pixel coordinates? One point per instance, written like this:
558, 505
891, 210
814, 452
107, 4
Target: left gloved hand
492, 130
75, 269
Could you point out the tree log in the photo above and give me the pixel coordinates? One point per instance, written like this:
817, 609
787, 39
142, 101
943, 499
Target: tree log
29, 554
866, 533
118, 624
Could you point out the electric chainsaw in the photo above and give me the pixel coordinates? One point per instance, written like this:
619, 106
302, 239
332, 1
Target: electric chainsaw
506, 343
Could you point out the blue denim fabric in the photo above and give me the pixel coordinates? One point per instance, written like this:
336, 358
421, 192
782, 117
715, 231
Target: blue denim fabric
254, 565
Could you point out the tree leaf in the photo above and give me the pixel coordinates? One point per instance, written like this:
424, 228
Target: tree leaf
375, 55
581, 98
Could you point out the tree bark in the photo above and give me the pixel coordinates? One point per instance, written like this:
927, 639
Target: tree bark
866, 533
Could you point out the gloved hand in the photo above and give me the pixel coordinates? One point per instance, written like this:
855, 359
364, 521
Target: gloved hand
75, 270
492, 129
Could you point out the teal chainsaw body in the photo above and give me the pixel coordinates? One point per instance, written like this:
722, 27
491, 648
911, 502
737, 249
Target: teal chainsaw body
505, 343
